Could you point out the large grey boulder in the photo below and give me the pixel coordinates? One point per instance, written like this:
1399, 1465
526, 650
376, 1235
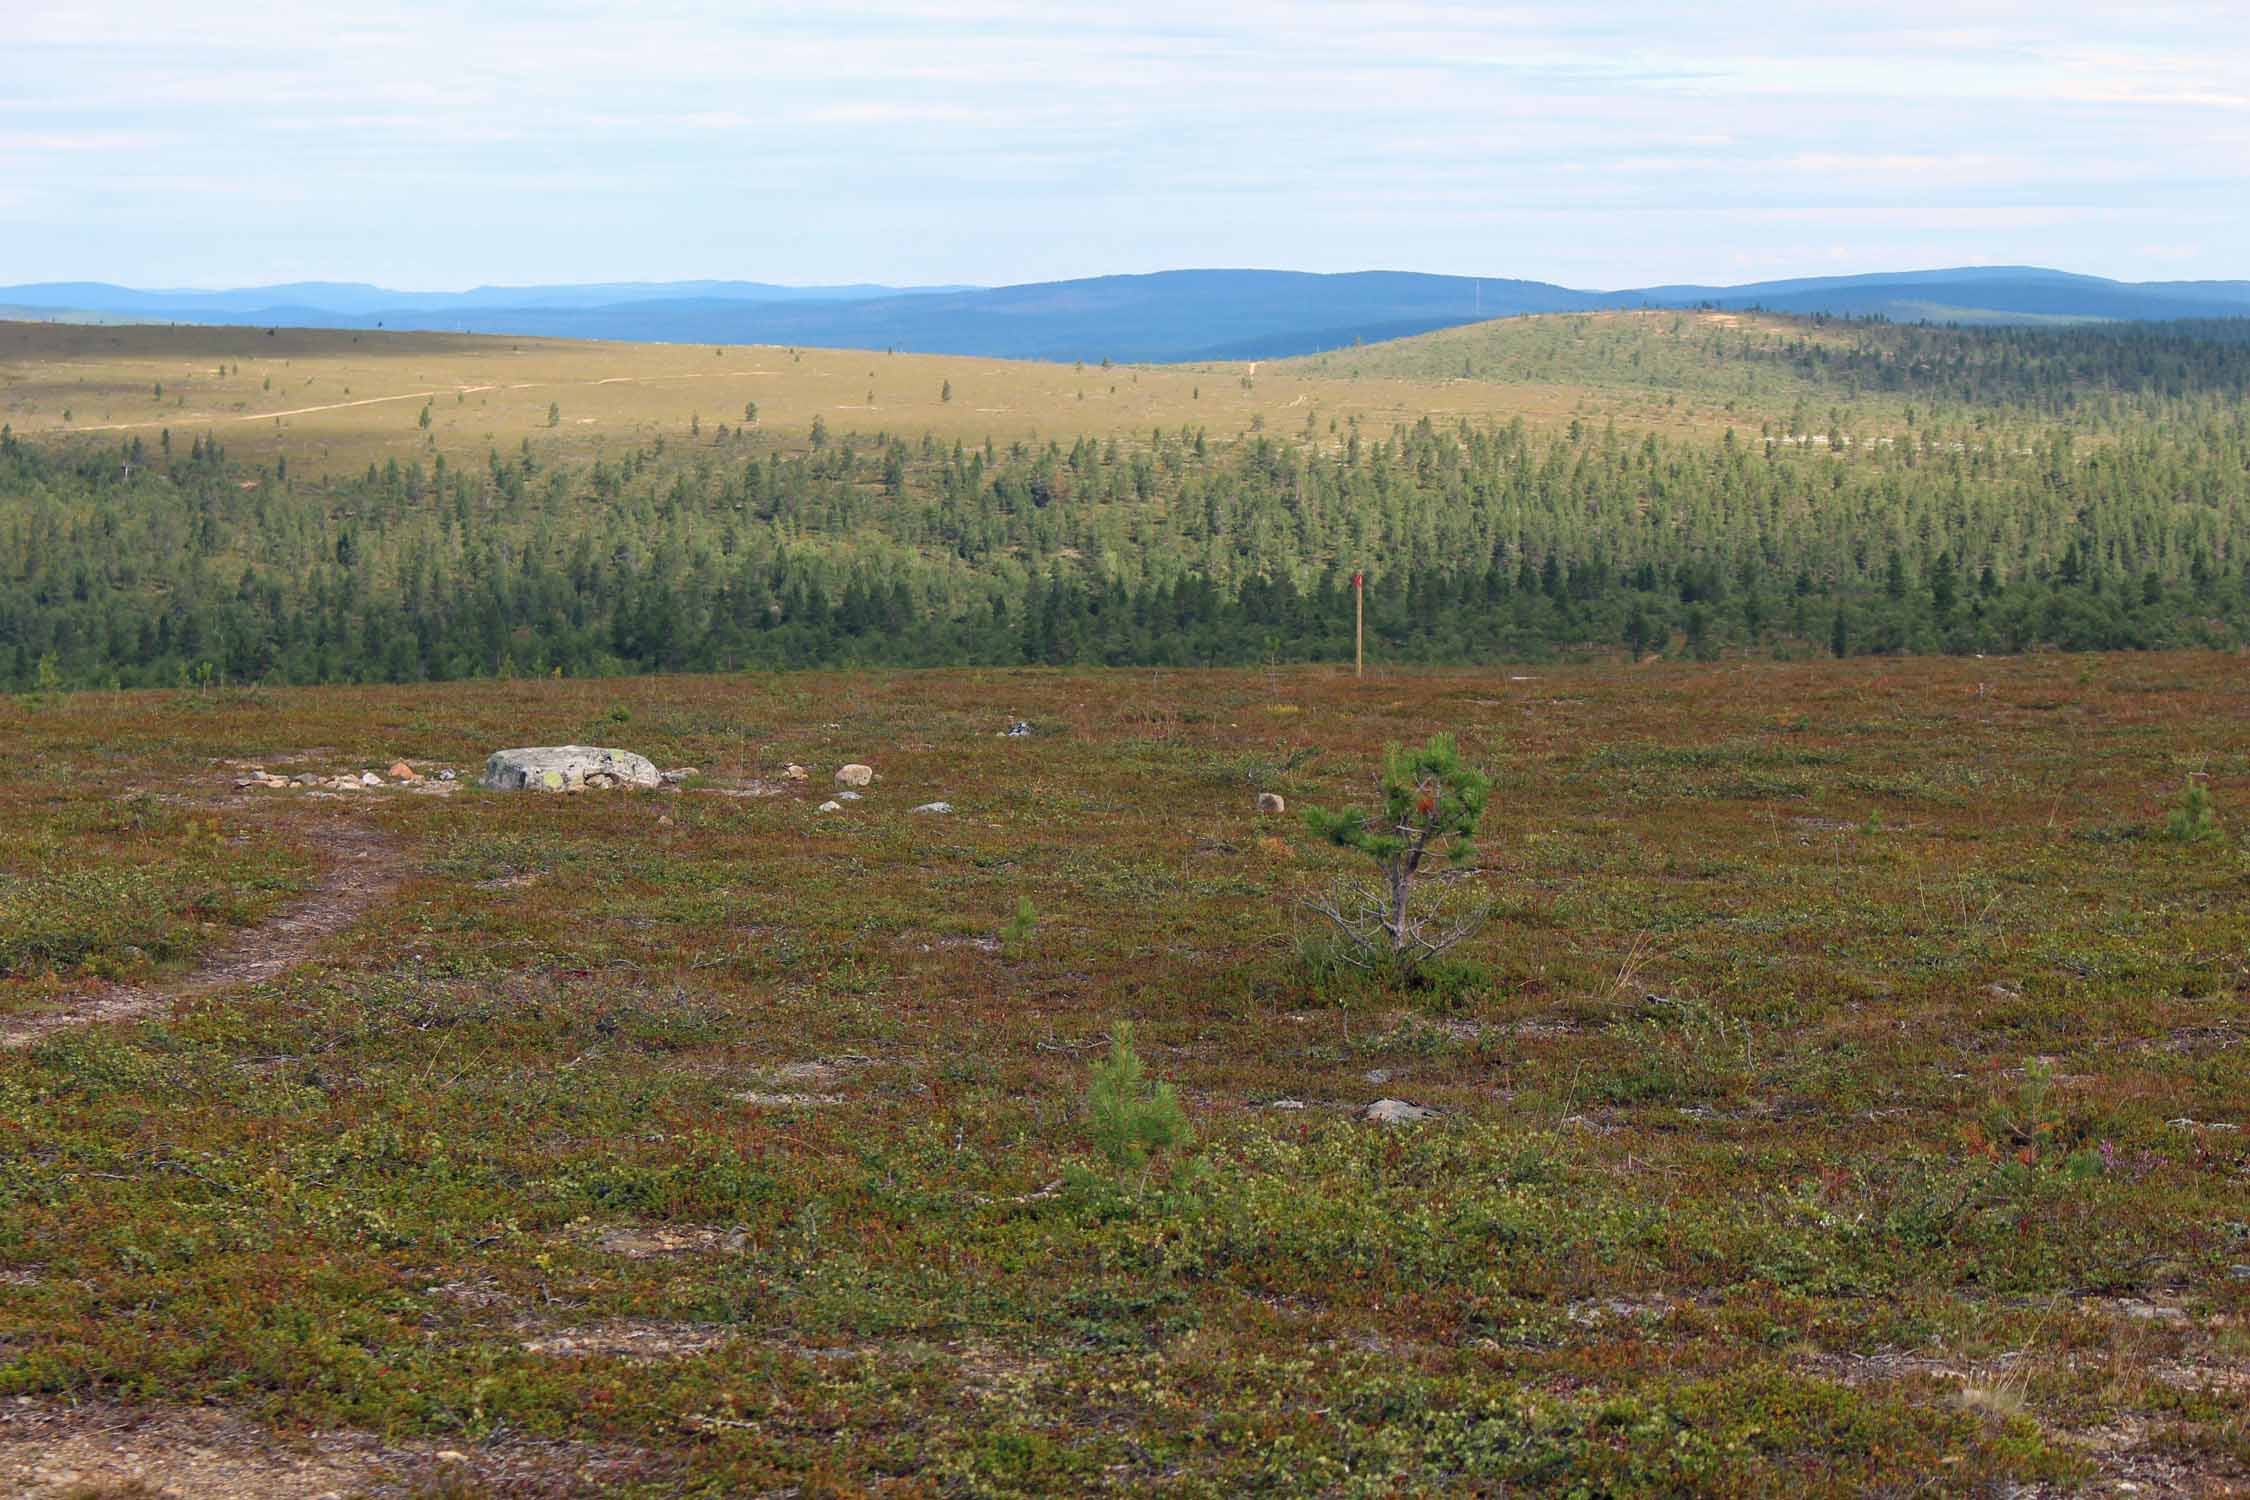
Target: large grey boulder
567, 768
1397, 1112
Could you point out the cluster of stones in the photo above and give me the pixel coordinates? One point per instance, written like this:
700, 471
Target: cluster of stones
400, 774
591, 768
851, 778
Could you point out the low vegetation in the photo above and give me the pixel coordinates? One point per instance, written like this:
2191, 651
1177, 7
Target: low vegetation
1845, 1096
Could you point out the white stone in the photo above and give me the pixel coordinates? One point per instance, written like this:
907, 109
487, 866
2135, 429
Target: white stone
1397, 1112
854, 774
560, 768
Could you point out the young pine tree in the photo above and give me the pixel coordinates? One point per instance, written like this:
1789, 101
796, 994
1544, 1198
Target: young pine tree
1432, 802
1131, 1117
2194, 821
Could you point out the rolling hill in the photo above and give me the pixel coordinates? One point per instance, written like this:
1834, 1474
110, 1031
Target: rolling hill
358, 300
1168, 316
1975, 294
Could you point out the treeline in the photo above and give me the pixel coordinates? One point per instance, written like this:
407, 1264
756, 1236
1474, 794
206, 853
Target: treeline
2105, 368
150, 565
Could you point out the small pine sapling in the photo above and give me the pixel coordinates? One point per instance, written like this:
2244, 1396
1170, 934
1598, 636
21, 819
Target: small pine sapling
1131, 1116
1432, 802
2194, 820
46, 684
1016, 932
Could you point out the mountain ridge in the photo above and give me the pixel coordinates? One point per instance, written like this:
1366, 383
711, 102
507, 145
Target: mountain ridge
1154, 317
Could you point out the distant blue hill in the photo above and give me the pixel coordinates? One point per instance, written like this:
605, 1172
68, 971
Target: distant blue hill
360, 300
1167, 316
1981, 294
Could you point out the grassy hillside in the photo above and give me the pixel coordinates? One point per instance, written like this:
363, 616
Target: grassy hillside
1844, 1098
1796, 375
334, 402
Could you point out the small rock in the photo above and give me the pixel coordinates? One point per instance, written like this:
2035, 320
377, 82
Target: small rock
934, 807
305, 778
854, 774
665, 821
795, 773
446, 774
401, 771
1016, 730
847, 796
1270, 802
1287, 1104
1397, 1112
831, 805
678, 774
1377, 1075
369, 778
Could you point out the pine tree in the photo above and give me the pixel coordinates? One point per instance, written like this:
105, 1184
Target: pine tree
1432, 802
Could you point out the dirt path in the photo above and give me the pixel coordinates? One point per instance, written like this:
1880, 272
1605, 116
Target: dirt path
58, 1449
54, 1450
211, 418
362, 868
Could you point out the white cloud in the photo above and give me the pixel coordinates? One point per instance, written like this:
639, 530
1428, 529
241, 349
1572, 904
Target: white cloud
802, 143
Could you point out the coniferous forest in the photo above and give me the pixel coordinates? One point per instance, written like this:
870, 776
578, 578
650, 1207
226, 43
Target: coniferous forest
2070, 490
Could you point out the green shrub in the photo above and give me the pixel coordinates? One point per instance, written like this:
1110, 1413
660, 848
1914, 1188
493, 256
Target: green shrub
1132, 1116
2194, 820
1016, 933
47, 685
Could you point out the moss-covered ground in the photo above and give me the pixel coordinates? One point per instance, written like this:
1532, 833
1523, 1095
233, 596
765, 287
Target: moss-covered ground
1848, 1095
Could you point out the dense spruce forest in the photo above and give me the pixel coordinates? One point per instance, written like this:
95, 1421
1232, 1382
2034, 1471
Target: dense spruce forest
2020, 490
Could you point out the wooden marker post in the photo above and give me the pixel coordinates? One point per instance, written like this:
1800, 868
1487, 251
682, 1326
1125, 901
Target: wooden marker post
1359, 624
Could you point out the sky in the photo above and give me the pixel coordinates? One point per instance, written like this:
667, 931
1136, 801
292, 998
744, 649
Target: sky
1601, 145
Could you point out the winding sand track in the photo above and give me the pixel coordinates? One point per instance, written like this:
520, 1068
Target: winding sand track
362, 868
209, 419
